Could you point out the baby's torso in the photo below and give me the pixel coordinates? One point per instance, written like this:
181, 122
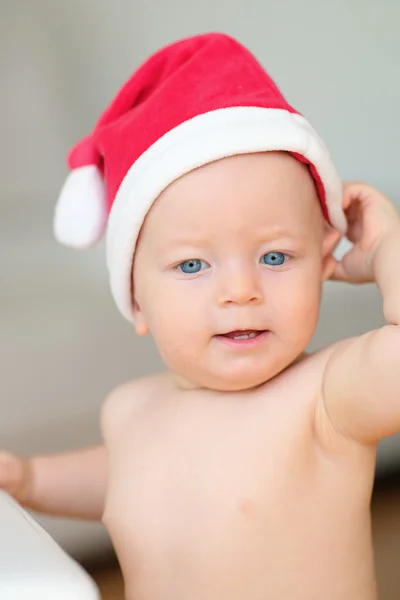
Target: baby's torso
214, 496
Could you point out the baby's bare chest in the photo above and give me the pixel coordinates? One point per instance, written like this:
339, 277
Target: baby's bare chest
205, 454
205, 460
219, 491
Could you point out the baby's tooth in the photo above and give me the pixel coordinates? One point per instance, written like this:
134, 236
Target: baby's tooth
246, 336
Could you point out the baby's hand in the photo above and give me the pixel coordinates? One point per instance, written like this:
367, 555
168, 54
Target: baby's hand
15, 475
371, 218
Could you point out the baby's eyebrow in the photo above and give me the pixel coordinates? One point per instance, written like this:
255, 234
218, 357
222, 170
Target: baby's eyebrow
282, 229
194, 243
272, 234
183, 241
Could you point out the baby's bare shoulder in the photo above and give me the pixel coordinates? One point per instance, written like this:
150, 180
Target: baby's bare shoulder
308, 369
124, 401
300, 383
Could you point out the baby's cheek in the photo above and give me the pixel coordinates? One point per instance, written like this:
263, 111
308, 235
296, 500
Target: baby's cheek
175, 316
302, 306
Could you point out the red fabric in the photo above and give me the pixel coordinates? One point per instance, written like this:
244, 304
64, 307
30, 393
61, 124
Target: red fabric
85, 153
317, 181
183, 80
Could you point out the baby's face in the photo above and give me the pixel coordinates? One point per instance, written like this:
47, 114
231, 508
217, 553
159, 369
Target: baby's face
229, 268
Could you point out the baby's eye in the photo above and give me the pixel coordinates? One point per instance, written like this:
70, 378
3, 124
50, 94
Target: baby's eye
192, 266
273, 259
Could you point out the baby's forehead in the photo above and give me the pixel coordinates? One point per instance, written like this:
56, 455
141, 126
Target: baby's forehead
269, 194
240, 232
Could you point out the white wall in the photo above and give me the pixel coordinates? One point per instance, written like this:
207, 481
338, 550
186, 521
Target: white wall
62, 343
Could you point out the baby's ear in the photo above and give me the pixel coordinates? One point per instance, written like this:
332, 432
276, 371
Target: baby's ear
139, 320
330, 240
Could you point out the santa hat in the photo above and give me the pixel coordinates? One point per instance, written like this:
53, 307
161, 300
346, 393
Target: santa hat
192, 103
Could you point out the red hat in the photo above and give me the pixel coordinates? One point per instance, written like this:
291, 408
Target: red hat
193, 102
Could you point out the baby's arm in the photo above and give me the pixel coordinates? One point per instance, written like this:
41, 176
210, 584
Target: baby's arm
70, 484
361, 387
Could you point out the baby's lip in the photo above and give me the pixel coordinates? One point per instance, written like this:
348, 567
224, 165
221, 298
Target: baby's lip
235, 332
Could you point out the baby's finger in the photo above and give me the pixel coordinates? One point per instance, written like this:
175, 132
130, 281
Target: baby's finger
356, 267
339, 273
13, 474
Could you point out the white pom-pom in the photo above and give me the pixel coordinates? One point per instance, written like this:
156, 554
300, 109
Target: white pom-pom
80, 217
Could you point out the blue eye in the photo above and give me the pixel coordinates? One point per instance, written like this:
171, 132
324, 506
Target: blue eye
192, 266
273, 259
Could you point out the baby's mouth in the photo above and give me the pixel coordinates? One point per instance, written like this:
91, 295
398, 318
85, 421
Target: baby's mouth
243, 334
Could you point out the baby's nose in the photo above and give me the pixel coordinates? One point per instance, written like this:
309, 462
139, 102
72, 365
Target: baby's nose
239, 286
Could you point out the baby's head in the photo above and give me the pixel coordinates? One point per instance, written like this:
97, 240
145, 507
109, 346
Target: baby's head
228, 270
215, 194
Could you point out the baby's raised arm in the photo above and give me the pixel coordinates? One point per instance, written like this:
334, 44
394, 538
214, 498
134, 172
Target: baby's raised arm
361, 388
70, 484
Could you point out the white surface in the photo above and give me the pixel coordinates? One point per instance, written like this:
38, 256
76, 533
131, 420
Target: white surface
32, 565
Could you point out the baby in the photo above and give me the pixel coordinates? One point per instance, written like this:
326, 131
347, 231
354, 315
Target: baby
245, 470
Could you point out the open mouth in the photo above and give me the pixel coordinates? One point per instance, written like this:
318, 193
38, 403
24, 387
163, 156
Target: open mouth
248, 334
244, 339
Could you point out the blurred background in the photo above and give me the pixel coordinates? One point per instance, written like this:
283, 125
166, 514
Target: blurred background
63, 345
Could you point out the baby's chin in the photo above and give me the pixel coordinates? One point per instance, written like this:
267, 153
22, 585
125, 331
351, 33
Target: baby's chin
233, 382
